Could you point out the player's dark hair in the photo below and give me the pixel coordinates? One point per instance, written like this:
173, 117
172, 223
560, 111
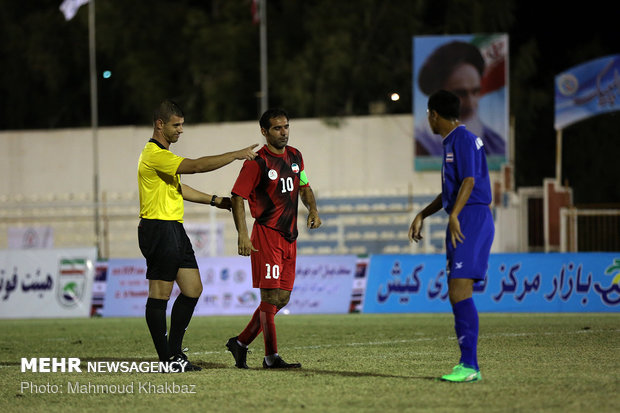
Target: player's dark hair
166, 109
265, 120
446, 104
440, 64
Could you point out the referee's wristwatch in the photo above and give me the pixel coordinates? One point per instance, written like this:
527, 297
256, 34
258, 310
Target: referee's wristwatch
213, 200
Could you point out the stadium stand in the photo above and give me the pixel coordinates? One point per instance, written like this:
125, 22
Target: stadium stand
373, 223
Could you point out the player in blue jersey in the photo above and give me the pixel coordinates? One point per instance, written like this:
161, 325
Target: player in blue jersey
466, 197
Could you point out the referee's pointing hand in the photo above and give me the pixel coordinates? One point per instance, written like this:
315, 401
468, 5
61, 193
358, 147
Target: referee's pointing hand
247, 153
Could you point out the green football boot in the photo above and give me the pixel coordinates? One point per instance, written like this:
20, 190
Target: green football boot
462, 374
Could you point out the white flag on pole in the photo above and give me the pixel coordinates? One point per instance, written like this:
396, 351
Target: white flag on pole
70, 7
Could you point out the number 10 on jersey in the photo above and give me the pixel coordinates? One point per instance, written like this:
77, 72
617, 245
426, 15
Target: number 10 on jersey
272, 272
287, 184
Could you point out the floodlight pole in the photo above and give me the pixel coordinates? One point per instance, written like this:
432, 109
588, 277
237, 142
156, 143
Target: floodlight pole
558, 157
264, 97
94, 119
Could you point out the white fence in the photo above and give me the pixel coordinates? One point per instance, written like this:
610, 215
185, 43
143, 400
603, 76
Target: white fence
590, 229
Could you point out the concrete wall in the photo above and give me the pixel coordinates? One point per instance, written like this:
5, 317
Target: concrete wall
360, 154
49, 175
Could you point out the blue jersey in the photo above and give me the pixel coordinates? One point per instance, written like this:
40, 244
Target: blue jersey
464, 157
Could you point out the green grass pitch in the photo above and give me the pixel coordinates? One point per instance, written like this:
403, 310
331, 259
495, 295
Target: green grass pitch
351, 363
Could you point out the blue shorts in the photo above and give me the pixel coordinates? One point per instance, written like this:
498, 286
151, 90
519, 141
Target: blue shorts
470, 259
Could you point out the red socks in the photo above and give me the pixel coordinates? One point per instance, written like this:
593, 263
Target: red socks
267, 322
263, 320
252, 330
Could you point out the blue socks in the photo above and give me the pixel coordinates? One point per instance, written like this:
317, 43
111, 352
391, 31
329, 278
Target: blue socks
466, 327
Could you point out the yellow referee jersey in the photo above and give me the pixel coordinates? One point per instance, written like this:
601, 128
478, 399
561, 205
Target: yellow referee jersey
158, 183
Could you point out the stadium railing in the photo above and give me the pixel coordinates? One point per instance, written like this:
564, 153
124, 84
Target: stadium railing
352, 224
589, 229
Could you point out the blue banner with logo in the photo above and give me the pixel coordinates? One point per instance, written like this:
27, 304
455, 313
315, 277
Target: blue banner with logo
587, 90
572, 282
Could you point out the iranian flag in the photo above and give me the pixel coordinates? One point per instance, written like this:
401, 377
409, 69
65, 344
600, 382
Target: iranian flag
494, 50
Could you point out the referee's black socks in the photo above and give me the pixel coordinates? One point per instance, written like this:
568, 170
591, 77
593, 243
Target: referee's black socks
182, 312
155, 315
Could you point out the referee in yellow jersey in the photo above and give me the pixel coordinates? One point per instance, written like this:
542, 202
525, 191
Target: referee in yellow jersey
162, 238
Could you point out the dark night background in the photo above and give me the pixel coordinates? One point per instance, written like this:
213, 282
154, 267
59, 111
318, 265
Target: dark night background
327, 58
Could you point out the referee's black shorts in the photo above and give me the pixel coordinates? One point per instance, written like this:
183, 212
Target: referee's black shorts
166, 247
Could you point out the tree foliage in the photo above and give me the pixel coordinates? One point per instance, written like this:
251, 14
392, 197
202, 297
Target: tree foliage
326, 58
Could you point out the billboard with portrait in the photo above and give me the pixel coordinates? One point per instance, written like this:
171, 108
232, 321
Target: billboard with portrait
475, 68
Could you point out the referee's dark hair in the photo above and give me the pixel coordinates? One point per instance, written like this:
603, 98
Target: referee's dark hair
446, 104
166, 109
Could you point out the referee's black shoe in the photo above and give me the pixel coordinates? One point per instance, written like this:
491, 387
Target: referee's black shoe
239, 352
278, 363
180, 364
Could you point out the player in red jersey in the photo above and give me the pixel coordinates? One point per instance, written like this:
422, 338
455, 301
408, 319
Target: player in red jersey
272, 183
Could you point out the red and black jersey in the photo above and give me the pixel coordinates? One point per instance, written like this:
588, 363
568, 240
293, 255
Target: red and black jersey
270, 182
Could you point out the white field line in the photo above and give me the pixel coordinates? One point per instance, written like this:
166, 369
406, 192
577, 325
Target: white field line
388, 342
415, 340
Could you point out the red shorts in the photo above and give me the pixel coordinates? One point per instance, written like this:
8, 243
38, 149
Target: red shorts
273, 265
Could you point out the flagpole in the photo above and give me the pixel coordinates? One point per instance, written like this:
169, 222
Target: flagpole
558, 156
94, 118
264, 99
